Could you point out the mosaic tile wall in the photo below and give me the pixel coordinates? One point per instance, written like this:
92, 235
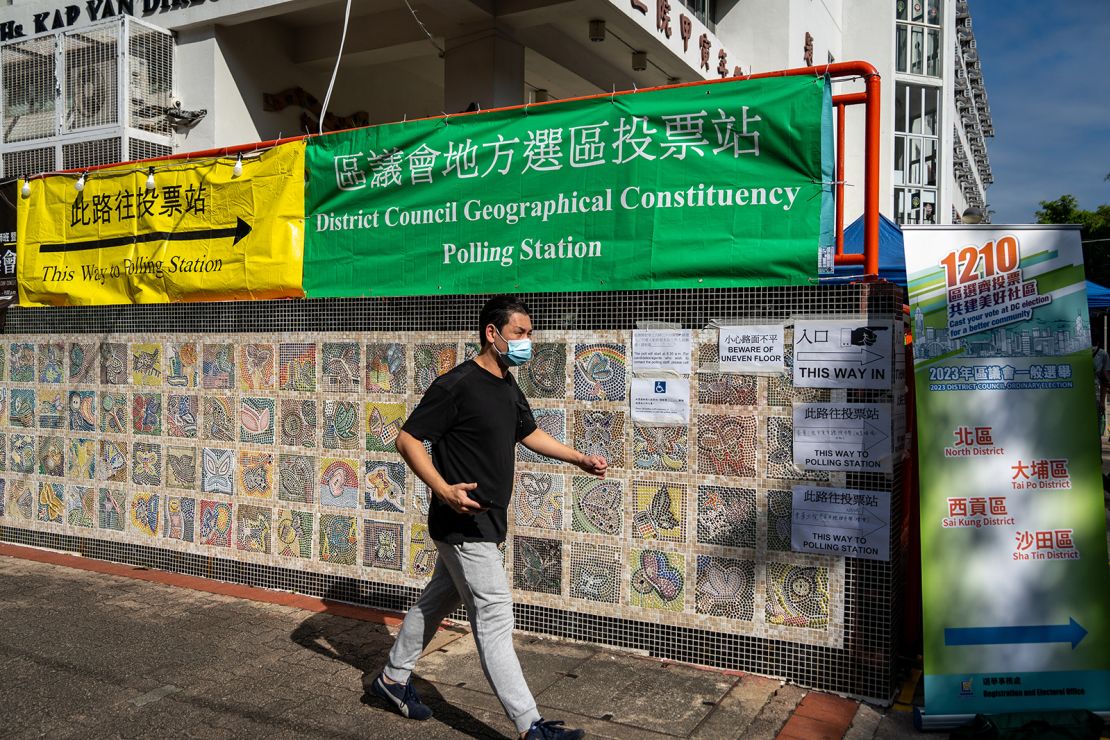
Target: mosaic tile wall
273, 449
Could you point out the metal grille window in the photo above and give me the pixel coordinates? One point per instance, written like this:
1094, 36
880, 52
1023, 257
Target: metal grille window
29, 81
91, 153
918, 37
26, 162
151, 72
916, 152
139, 149
92, 82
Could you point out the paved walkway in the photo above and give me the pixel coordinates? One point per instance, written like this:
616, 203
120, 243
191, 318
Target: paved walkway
91, 649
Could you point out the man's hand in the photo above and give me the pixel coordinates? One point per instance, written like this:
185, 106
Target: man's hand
456, 497
594, 465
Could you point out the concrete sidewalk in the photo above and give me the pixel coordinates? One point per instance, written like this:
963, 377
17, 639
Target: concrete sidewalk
93, 649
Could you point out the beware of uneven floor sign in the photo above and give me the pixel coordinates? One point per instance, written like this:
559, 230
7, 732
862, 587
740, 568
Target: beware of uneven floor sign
199, 234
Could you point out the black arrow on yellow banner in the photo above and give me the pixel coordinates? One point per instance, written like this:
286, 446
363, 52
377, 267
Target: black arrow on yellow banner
239, 232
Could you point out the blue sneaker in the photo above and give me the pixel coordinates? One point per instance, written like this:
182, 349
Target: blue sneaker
543, 729
403, 698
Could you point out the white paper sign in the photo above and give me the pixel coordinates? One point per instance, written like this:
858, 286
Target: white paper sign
663, 401
837, 521
662, 349
843, 354
853, 437
751, 349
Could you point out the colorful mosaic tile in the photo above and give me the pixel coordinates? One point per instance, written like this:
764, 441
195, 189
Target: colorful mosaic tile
659, 510
110, 508
658, 580
341, 425
797, 595
730, 389
421, 498
253, 533
217, 470
383, 425
146, 364
256, 474
21, 412
82, 411
599, 372
470, 351
293, 534
181, 416
3, 496
23, 457
725, 587
600, 433
82, 362
144, 513
781, 392
146, 413
146, 460
338, 482
726, 445
385, 368
256, 420
219, 418
726, 516
538, 500
52, 503
3, 452
182, 364
113, 363
297, 366
341, 368
3, 371
3, 403
383, 545
52, 456
180, 518
780, 516
298, 422
338, 539
257, 367
597, 505
552, 421
660, 448
81, 506
538, 564
22, 362
215, 523
430, 361
422, 551
81, 460
296, 479
218, 366
51, 362
22, 500
595, 572
111, 464
181, 467
545, 375
51, 409
780, 452
114, 413
384, 485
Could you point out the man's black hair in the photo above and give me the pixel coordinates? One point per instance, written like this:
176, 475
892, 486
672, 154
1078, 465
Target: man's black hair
497, 311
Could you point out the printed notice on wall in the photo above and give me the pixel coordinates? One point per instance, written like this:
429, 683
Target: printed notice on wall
661, 401
751, 349
852, 437
835, 521
655, 350
843, 354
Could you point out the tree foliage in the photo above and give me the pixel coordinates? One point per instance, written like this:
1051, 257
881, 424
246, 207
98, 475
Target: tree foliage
1095, 227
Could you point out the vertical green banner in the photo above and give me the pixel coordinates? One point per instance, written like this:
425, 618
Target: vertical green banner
1016, 592
714, 185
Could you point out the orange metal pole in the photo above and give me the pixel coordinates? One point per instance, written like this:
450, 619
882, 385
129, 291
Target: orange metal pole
839, 179
871, 177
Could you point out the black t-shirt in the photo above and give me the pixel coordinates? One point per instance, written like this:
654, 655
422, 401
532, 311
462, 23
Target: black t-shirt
473, 420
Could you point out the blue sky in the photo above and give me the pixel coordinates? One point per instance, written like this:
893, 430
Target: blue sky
1047, 76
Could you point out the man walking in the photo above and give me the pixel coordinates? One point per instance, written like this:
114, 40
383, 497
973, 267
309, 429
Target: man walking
473, 416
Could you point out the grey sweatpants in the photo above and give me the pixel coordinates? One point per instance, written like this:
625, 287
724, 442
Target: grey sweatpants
470, 573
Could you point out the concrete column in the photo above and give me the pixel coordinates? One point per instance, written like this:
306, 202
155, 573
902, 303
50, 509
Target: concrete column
486, 68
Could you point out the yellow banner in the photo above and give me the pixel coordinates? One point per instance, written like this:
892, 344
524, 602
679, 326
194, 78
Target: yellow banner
201, 233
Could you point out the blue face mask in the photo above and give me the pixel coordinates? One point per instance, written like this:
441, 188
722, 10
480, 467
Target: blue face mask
520, 351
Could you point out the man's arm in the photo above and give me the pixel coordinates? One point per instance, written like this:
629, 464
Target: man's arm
543, 443
454, 495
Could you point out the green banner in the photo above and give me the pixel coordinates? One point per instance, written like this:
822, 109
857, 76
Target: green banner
715, 185
1015, 587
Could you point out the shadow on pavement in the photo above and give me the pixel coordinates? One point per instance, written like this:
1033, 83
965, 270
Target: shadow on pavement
365, 645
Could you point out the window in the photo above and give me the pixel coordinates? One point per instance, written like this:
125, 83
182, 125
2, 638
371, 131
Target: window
917, 37
916, 153
704, 10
